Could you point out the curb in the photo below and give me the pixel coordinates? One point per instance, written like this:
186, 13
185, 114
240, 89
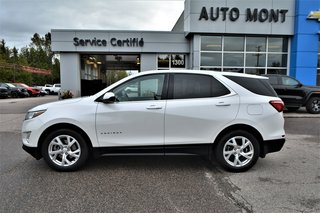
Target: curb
301, 113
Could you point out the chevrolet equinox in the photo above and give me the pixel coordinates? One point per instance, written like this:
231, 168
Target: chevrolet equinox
234, 118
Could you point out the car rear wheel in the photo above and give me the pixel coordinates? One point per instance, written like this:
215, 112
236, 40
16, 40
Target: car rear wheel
237, 151
65, 150
313, 105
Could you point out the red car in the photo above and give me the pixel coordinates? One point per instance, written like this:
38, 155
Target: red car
31, 90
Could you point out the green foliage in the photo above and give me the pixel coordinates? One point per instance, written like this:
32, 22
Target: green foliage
115, 75
38, 54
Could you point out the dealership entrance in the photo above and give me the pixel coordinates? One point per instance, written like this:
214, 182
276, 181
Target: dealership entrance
99, 71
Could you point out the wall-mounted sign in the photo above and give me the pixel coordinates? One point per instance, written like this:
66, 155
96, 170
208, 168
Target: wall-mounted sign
129, 42
251, 15
314, 15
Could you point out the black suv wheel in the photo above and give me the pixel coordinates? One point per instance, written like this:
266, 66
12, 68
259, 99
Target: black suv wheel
313, 105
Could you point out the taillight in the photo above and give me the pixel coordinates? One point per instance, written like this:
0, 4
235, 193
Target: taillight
278, 105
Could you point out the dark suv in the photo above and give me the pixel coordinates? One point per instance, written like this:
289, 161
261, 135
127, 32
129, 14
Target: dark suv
14, 91
295, 95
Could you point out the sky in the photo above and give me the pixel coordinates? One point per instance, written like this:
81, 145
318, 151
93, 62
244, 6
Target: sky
20, 19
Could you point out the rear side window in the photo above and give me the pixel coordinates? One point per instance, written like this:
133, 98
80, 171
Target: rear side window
185, 86
273, 80
255, 85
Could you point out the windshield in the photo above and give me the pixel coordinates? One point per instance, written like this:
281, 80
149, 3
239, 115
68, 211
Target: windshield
10, 85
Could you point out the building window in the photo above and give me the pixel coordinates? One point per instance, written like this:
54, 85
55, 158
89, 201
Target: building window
171, 61
245, 54
98, 71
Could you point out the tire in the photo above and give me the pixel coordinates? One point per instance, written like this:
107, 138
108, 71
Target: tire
14, 95
65, 150
232, 147
313, 105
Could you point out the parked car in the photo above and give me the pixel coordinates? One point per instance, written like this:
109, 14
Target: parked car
234, 117
14, 91
52, 89
4, 93
294, 94
31, 90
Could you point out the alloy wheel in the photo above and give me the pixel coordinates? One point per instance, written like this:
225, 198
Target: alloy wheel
238, 151
316, 105
64, 150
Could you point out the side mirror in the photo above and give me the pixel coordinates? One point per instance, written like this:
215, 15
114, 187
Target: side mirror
109, 98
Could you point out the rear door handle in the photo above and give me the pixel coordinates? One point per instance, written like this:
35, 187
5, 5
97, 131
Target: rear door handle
222, 104
154, 107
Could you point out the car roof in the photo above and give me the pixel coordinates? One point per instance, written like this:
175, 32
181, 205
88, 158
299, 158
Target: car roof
207, 72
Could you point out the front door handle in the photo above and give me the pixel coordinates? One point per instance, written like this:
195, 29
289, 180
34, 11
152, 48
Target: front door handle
222, 104
154, 107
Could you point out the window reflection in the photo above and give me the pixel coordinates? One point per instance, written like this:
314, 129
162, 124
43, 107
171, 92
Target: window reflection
255, 71
256, 44
255, 60
171, 61
211, 69
233, 43
229, 69
233, 59
277, 60
278, 45
277, 71
163, 61
249, 54
98, 71
211, 43
210, 59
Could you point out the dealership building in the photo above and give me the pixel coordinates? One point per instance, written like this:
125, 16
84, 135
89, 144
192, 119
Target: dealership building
246, 36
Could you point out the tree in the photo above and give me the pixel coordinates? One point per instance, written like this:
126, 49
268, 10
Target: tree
38, 54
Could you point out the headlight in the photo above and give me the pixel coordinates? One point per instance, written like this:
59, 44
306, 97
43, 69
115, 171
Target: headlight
33, 114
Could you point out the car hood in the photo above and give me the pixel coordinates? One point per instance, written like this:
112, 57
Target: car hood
57, 104
313, 88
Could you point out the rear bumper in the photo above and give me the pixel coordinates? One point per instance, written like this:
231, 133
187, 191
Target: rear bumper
272, 146
33, 151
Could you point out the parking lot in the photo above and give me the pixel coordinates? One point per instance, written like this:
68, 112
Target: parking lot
287, 181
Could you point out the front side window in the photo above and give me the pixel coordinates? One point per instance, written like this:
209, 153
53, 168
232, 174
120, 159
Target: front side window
141, 89
186, 86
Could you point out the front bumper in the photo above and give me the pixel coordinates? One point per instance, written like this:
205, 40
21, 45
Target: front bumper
32, 151
272, 146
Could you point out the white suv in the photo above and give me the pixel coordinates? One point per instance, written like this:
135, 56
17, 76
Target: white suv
233, 117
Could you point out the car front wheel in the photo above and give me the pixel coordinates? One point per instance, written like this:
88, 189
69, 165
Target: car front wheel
237, 151
313, 105
65, 150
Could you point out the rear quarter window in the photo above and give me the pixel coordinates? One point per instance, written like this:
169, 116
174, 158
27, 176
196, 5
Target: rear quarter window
184, 86
255, 85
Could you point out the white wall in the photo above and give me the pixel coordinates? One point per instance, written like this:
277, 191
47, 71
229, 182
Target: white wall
70, 73
148, 62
